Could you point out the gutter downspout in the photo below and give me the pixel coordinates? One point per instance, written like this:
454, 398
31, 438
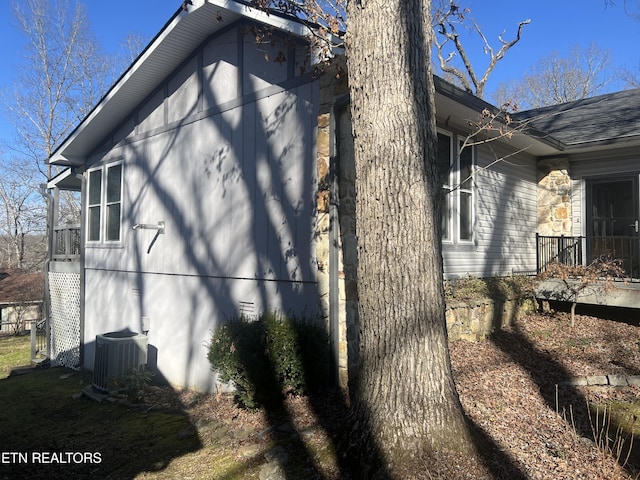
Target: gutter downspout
52, 204
337, 111
83, 192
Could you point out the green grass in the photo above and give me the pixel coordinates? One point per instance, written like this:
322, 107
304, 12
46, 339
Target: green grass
41, 412
14, 352
616, 431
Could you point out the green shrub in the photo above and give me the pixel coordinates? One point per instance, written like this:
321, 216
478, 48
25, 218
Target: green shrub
136, 381
269, 356
133, 383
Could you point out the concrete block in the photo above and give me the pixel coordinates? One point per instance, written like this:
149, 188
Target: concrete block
597, 380
633, 380
618, 381
576, 382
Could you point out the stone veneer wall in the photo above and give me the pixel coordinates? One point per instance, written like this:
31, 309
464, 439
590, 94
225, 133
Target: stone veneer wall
476, 320
554, 197
333, 85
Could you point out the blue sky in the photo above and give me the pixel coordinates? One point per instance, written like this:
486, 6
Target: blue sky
555, 25
111, 21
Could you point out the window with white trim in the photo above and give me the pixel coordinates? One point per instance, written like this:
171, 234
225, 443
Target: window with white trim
104, 204
444, 160
456, 177
465, 193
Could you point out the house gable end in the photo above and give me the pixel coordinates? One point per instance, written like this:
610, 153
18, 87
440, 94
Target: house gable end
234, 66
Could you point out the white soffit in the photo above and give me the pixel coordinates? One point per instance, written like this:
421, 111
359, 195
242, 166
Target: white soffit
65, 180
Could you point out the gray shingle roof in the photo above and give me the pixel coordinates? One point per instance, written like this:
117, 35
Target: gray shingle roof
601, 120
17, 286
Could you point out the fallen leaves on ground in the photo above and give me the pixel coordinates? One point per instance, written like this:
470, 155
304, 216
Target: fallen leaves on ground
514, 386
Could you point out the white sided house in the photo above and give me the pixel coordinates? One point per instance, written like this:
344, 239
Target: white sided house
197, 173
217, 180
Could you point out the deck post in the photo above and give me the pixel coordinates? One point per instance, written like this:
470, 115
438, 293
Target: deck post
33, 333
537, 252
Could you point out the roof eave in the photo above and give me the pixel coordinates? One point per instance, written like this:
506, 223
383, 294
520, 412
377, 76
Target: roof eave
521, 137
622, 142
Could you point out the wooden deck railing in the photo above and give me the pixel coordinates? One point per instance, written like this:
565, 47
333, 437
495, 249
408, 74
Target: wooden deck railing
66, 243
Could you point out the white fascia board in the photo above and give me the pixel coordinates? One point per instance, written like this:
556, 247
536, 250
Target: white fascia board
275, 20
58, 156
261, 16
61, 177
67, 160
65, 180
70, 152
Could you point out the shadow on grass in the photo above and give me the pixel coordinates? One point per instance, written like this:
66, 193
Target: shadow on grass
52, 435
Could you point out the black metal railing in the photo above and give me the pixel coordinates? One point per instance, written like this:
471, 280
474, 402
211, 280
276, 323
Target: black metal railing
66, 243
579, 250
562, 249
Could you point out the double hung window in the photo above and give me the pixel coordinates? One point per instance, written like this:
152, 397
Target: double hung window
465, 194
445, 159
455, 168
104, 216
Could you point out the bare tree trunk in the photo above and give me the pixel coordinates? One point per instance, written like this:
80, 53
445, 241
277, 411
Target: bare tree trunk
405, 402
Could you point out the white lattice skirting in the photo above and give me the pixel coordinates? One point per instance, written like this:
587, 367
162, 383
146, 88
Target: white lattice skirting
64, 318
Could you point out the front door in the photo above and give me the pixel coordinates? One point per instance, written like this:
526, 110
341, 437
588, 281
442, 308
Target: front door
612, 221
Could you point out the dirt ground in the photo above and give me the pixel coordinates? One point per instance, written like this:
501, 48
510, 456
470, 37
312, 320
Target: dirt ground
516, 388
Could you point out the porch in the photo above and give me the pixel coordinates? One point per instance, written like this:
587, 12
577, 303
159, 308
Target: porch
579, 250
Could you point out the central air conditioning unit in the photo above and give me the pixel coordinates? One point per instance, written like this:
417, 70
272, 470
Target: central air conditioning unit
116, 354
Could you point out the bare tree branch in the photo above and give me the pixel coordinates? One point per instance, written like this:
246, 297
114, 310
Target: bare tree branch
22, 212
445, 27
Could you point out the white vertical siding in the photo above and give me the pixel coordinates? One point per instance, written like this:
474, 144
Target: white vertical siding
234, 179
183, 92
151, 113
220, 67
265, 62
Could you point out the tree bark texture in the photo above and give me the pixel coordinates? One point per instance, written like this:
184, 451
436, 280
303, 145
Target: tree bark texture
404, 397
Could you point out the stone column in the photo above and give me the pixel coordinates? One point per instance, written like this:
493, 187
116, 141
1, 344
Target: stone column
333, 84
554, 197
